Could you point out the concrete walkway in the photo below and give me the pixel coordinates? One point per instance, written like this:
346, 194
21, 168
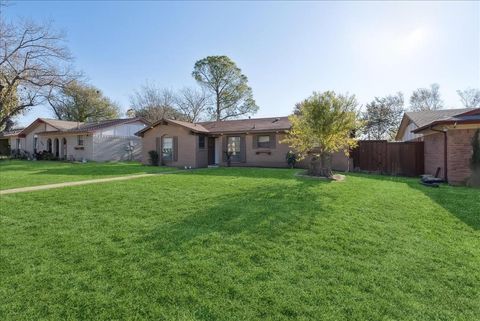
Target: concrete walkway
77, 183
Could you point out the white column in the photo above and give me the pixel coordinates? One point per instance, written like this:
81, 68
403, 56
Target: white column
218, 150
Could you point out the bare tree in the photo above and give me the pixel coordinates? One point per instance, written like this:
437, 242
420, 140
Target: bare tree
154, 103
34, 62
192, 103
426, 99
470, 97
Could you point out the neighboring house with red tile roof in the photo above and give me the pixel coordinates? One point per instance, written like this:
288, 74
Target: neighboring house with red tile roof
447, 136
107, 140
252, 142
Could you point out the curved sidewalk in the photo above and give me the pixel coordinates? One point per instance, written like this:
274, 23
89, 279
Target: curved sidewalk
77, 183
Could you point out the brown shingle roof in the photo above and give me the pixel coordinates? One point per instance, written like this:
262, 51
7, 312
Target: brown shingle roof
65, 126
230, 126
61, 124
198, 127
422, 118
88, 127
248, 125
195, 127
12, 132
468, 116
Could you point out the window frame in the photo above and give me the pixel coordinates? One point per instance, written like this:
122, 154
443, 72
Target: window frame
35, 143
236, 156
80, 140
266, 144
170, 157
201, 138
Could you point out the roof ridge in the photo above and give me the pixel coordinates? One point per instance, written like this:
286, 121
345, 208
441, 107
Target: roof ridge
437, 110
243, 119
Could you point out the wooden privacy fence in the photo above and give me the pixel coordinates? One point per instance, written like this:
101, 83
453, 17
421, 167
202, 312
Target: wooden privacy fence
405, 158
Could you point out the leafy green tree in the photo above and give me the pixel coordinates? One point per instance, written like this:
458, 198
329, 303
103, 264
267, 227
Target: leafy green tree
232, 97
84, 103
382, 117
321, 125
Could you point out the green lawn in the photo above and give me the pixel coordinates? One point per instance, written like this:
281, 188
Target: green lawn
241, 244
15, 173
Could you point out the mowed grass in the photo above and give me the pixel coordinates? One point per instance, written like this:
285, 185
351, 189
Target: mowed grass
241, 244
17, 173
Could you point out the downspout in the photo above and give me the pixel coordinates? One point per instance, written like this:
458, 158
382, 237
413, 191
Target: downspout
445, 163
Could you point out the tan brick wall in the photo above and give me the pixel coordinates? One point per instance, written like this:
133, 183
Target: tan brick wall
277, 156
434, 154
186, 144
190, 155
459, 155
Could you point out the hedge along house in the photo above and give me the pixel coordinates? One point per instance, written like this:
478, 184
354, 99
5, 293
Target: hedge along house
251, 142
109, 140
448, 145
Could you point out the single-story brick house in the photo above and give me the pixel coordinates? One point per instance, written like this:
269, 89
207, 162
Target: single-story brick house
252, 142
412, 120
447, 137
5, 140
109, 140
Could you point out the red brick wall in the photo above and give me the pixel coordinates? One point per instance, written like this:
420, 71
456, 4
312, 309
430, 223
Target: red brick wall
459, 155
434, 154
459, 150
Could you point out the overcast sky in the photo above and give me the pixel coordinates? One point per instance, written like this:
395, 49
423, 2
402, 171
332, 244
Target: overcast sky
286, 49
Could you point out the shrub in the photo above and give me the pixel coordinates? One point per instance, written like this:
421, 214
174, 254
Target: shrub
291, 158
19, 154
44, 155
154, 157
475, 160
228, 156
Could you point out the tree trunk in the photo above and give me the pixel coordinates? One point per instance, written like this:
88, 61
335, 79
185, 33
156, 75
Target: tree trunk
218, 106
321, 166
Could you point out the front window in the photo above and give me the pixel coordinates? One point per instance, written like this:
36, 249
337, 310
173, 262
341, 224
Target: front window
263, 141
35, 140
49, 145
167, 148
18, 143
233, 147
80, 140
201, 141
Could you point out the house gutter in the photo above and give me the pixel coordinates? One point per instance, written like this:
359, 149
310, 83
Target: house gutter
445, 162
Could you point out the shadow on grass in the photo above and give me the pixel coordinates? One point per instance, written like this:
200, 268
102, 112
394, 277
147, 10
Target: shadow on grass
463, 202
248, 172
268, 211
99, 169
